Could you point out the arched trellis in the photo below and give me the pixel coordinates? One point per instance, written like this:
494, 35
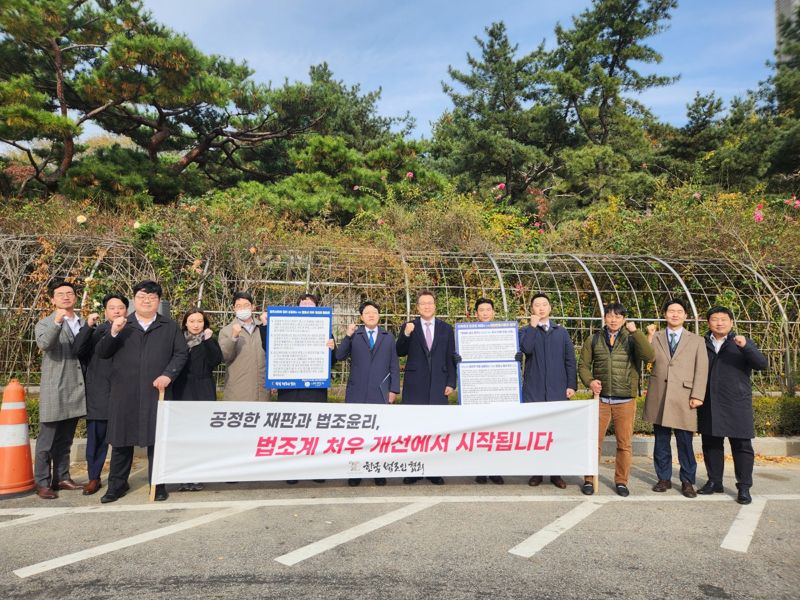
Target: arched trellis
765, 301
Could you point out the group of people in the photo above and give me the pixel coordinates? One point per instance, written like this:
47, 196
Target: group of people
112, 371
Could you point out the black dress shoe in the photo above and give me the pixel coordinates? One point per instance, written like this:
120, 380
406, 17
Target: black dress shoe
381, 481
558, 481
587, 489
318, 480
496, 479
481, 479
411, 480
436, 480
354, 482
535, 480
111, 497
622, 490
711, 488
743, 497
291, 481
161, 492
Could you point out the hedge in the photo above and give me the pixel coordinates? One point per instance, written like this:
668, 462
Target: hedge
774, 416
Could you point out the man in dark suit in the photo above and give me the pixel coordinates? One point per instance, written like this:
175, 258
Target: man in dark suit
148, 351
430, 374
374, 366
550, 374
98, 386
728, 407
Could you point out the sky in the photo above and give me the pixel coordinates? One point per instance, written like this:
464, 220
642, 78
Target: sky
405, 48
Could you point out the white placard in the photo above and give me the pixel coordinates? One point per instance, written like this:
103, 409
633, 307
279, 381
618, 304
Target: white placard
489, 382
494, 340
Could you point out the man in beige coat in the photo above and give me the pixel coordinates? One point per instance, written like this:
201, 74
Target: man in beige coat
244, 354
676, 388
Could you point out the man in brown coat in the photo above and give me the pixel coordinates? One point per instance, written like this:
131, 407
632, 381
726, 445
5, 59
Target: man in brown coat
676, 388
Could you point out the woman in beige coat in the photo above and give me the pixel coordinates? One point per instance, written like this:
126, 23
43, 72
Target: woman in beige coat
676, 388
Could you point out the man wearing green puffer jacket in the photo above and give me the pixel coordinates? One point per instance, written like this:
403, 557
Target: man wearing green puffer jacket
609, 366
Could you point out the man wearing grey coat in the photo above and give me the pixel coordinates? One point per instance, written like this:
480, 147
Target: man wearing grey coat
62, 396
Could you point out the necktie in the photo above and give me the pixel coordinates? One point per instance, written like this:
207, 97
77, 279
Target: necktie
428, 336
672, 342
371, 340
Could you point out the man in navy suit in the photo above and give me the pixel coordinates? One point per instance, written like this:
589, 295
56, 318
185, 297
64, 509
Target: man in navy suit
551, 372
374, 366
429, 343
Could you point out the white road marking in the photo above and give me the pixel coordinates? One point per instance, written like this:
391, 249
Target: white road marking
27, 519
170, 505
544, 536
744, 526
68, 559
301, 554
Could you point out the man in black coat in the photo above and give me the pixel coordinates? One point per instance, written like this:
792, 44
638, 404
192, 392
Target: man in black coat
148, 352
728, 407
430, 373
98, 386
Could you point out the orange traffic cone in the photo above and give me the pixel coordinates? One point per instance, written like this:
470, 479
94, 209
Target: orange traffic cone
16, 472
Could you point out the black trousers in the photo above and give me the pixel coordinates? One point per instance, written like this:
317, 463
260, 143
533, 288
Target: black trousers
743, 458
120, 470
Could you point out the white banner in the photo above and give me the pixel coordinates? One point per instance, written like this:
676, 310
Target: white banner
254, 441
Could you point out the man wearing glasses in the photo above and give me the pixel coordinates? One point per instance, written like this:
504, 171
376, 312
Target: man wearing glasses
62, 399
148, 352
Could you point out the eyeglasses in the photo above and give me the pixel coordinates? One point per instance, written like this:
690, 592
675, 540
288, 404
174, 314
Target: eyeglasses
63, 294
145, 297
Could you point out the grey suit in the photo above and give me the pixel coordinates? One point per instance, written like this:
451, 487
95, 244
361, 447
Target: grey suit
62, 400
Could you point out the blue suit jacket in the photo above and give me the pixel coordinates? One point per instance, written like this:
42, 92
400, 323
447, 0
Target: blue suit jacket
549, 363
427, 373
373, 373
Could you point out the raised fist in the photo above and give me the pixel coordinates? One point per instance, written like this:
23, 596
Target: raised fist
740, 341
351, 329
330, 345
117, 325
652, 328
236, 330
263, 318
630, 326
409, 329
534, 320
207, 333
91, 320
59, 315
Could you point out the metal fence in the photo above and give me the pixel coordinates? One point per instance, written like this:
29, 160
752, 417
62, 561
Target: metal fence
765, 301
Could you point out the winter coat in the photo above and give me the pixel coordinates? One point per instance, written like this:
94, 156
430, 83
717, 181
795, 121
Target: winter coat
675, 379
728, 407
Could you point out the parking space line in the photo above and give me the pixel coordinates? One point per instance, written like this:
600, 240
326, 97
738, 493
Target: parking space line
744, 526
544, 536
68, 559
301, 554
29, 518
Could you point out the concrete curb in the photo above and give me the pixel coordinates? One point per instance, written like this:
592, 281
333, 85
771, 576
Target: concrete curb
642, 446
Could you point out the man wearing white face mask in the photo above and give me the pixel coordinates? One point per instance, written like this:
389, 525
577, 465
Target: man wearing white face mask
244, 354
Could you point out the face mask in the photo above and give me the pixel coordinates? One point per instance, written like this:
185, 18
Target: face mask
244, 314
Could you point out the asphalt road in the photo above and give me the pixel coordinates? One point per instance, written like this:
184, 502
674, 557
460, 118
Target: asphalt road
460, 540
